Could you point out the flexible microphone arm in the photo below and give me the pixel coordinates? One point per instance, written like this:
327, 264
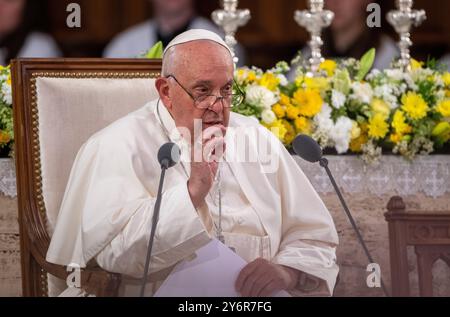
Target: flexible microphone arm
155, 219
168, 156
324, 163
308, 149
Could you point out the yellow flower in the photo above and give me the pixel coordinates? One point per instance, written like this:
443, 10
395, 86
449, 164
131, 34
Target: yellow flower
299, 80
285, 100
415, 64
356, 144
8, 81
316, 83
396, 138
245, 75
270, 81
446, 79
329, 66
399, 123
447, 93
279, 111
444, 108
302, 125
290, 132
292, 112
241, 72
356, 130
4, 137
308, 101
251, 76
414, 105
378, 127
278, 129
381, 107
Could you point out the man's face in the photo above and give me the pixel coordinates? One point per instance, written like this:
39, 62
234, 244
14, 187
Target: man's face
202, 68
347, 12
171, 7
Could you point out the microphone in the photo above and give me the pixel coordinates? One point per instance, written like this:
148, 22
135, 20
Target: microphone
308, 149
168, 156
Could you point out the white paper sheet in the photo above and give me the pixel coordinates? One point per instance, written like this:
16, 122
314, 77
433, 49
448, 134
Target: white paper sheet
212, 273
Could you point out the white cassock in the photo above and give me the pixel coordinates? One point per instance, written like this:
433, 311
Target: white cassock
267, 212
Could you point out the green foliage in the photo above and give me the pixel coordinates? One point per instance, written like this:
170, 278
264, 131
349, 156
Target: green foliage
156, 51
366, 64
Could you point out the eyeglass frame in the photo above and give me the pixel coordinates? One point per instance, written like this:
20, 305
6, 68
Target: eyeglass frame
240, 93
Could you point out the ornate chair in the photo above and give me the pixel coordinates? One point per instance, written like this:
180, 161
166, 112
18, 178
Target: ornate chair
58, 104
428, 233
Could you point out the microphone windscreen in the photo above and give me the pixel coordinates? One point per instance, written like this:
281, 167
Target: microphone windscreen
169, 154
307, 148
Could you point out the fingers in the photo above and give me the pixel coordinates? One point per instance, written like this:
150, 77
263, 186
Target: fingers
213, 149
259, 278
213, 131
254, 281
244, 274
253, 277
257, 282
269, 289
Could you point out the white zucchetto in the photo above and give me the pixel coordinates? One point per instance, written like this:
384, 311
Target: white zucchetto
196, 35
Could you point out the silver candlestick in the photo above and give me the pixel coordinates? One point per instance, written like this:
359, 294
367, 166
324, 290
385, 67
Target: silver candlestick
229, 18
402, 20
314, 20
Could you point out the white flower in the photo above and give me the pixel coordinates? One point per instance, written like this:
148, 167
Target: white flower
387, 93
260, 96
421, 74
7, 93
268, 117
337, 99
382, 90
341, 134
362, 92
410, 82
440, 95
373, 74
283, 80
323, 119
394, 74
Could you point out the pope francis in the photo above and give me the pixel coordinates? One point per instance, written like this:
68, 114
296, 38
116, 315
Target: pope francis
260, 205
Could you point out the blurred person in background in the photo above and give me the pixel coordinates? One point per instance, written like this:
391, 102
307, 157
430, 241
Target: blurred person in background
446, 60
350, 36
171, 17
19, 35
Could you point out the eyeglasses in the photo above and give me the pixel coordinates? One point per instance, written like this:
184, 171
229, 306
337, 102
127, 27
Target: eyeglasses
207, 101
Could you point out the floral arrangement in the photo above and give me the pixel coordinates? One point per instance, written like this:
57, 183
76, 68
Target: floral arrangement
350, 109
6, 117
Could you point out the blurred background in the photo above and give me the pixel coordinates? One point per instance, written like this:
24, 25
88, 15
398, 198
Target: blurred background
270, 36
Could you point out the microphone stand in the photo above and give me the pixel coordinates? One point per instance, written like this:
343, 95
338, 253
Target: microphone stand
324, 163
155, 218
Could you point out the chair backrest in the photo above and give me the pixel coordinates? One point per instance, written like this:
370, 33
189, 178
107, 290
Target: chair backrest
428, 233
58, 105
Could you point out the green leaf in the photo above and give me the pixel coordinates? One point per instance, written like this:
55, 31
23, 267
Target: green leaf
156, 51
366, 64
